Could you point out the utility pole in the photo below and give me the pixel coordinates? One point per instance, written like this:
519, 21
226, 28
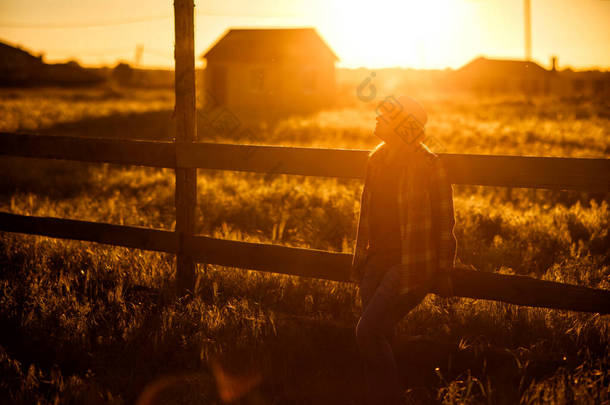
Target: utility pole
528, 29
138, 55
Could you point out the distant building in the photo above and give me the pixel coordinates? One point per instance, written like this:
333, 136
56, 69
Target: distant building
491, 76
20, 68
483, 75
17, 65
278, 70
592, 83
125, 75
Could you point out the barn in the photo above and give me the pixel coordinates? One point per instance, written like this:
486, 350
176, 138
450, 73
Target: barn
500, 76
275, 70
17, 66
20, 68
484, 75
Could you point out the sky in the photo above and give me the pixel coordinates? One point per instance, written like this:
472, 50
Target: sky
433, 34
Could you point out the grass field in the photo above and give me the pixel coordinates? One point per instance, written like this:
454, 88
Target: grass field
86, 323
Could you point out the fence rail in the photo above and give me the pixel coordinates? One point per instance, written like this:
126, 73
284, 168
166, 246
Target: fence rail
519, 290
127, 152
582, 174
117, 235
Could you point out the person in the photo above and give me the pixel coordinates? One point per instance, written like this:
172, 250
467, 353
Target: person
405, 244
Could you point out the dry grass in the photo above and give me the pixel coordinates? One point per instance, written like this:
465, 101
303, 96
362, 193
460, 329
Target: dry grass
95, 324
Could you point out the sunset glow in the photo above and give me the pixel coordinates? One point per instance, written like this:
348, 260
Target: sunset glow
305, 202
383, 33
392, 33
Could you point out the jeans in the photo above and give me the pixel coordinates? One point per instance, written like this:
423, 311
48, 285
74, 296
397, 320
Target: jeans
383, 307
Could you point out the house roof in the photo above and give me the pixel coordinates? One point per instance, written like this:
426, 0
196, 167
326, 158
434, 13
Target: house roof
37, 72
249, 44
501, 67
7, 49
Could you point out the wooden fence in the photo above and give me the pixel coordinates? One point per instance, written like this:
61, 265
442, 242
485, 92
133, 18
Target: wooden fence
185, 156
513, 171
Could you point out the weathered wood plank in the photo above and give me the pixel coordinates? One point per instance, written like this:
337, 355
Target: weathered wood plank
529, 171
347, 163
528, 291
267, 257
488, 170
186, 134
117, 235
468, 283
145, 153
518, 290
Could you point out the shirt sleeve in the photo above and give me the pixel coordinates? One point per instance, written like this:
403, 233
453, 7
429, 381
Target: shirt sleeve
362, 231
444, 212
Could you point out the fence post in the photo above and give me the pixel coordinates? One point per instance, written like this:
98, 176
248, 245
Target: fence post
186, 132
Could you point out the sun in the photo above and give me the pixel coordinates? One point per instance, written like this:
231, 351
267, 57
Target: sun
390, 32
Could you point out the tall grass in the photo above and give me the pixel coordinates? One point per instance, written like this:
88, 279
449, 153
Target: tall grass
86, 323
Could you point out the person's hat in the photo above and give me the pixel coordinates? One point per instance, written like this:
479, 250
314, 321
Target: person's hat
395, 108
412, 106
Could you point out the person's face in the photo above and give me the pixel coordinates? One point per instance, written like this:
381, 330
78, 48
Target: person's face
385, 130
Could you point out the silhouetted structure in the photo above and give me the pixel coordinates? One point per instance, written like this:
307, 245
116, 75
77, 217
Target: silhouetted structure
125, 75
17, 65
20, 68
275, 70
499, 76
590, 83
484, 75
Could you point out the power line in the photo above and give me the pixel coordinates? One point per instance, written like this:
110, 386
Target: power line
110, 23
90, 51
110, 52
222, 14
90, 24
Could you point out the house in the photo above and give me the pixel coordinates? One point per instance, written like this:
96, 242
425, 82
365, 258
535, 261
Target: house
17, 65
276, 70
493, 76
483, 75
20, 68
590, 83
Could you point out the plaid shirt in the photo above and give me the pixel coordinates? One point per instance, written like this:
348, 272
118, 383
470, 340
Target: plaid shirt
425, 208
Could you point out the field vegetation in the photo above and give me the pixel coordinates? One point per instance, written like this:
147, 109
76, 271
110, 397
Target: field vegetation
88, 323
